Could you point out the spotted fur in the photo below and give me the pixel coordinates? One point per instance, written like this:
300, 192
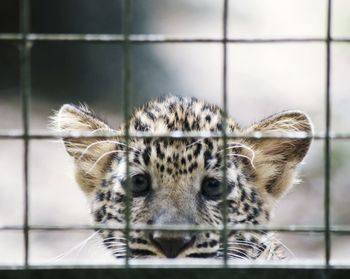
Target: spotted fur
258, 173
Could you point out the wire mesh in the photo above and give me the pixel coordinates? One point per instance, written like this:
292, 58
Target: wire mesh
25, 39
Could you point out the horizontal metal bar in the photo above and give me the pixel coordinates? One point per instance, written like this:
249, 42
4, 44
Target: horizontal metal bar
17, 134
156, 38
237, 272
163, 263
340, 229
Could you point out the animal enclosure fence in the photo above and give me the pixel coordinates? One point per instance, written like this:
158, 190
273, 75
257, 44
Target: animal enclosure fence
25, 40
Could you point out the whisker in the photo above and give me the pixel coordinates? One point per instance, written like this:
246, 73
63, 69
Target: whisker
101, 157
248, 245
233, 255
79, 246
113, 242
269, 241
117, 245
117, 250
243, 156
243, 241
241, 254
106, 141
284, 246
241, 251
187, 146
114, 237
241, 145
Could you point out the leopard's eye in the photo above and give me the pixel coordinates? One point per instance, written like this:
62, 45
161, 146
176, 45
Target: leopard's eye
212, 188
140, 184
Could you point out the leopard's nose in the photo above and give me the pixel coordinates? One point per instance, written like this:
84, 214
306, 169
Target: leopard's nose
172, 247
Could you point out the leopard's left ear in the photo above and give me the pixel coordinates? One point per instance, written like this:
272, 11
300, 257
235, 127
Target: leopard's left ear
276, 160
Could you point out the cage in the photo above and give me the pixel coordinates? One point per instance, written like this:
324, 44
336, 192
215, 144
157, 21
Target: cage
30, 143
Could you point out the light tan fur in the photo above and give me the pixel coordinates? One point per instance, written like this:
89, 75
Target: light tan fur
278, 158
85, 151
259, 172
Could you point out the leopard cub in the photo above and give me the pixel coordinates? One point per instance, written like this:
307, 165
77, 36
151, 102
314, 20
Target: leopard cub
179, 180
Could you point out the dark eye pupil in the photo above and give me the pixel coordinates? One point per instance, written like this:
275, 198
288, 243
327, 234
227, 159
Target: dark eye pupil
139, 181
139, 184
213, 183
212, 188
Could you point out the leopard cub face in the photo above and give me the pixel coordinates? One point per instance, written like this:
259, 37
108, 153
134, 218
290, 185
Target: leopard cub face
177, 181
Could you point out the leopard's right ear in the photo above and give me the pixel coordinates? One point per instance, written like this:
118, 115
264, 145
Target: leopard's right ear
90, 154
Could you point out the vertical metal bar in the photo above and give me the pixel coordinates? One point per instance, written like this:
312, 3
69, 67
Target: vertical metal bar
25, 88
327, 151
127, 102
224, 92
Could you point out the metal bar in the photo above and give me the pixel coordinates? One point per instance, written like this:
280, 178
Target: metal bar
340, 229
156, 38
25, 88
171, 271
19, 135
224, 127
327, 146
158, 265
127, 103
